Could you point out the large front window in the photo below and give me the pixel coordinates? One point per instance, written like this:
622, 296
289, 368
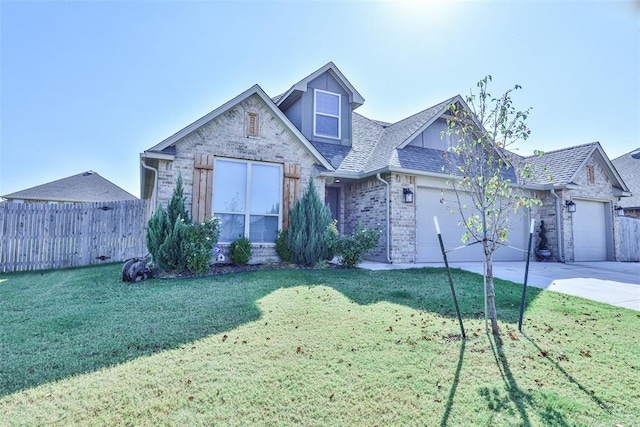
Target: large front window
326, 118
246, 197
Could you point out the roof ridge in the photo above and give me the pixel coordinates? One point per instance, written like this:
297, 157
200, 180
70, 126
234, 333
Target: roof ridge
446, 101
573, 147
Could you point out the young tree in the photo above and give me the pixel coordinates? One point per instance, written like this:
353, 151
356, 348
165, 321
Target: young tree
486, 177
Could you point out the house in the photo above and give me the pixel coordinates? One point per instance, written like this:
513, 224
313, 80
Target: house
247, 160
580, 189
84, 187
628, 166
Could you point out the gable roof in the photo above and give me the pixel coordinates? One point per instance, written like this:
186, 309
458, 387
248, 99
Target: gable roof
560, 167
165, 147
355, 99
399, 134
628, 166
84, 187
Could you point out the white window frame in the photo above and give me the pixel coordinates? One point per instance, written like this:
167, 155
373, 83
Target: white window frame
316, 113
248, 213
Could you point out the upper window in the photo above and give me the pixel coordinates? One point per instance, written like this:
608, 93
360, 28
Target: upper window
326, 117
246, 198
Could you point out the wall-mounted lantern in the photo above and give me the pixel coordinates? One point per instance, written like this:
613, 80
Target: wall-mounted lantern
408, 195
571, 206
619, 210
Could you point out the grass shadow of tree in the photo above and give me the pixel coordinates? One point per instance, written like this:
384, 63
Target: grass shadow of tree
522, 400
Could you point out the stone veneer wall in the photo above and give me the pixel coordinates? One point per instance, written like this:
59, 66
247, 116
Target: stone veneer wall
226, 136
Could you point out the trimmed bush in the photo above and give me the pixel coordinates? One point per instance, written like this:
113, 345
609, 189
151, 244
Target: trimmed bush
281, 247
352, 247
308, 236
200, 238
175, 243
241, 251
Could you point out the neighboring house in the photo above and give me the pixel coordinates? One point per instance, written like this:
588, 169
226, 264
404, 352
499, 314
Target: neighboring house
628, 166
247, 160
81, 188
580, 179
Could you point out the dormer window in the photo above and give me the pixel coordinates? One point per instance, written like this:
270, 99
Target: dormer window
326, 117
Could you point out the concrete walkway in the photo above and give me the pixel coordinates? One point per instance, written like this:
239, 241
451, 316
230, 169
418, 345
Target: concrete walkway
615, 283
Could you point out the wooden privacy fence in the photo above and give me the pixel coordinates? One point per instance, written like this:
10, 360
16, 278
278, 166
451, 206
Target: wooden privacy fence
37, 236
629, 232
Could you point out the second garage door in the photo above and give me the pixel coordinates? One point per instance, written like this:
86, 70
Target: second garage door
428, 205
589, 231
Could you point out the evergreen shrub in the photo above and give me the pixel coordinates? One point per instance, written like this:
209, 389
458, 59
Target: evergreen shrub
308, 237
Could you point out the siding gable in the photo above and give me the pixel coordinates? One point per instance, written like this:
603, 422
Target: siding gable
301, 111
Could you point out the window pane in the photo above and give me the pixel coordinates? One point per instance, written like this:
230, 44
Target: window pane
229, 193
232, 227
265, 189
327, 126
263, 229
327, 103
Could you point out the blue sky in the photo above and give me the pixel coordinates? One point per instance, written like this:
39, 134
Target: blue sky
90, 85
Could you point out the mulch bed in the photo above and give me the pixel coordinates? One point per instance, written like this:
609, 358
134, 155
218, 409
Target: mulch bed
219, 269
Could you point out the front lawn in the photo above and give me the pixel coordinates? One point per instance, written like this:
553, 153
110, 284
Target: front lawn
307, 347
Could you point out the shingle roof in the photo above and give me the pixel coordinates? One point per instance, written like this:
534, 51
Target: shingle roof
83, 187
423, 159
628, 166
560, 166
396, 134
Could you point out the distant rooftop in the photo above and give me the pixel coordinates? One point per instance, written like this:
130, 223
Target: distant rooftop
81, 188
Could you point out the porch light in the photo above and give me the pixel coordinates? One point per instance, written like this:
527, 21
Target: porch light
571, 206
619, 210
408, 195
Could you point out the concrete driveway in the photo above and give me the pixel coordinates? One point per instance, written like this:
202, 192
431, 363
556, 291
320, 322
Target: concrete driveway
615, 283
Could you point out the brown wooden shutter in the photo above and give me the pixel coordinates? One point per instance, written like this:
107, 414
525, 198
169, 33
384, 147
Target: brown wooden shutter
252, 129
202, 187
291, 191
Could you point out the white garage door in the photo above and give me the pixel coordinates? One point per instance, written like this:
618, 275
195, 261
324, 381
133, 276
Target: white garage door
589, 231
428, 248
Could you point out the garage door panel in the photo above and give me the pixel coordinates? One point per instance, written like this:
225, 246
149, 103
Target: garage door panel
589, 231
428, 205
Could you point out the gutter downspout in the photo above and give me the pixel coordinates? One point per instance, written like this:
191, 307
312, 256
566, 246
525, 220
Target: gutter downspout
558, 224
388, 219
155, 184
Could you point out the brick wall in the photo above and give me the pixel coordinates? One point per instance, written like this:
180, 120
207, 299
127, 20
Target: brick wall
365, 203
601, 190
226, 136
403, 220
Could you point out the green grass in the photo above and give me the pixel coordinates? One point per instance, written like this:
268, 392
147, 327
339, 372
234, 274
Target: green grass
307, 347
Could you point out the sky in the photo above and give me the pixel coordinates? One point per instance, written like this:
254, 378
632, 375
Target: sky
89, 85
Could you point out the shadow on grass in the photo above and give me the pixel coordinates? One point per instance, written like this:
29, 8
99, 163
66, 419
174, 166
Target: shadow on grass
454, 386
568, 376
67, 322
521, 399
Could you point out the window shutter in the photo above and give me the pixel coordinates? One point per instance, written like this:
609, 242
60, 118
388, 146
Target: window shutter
252, 128
291, 191
202, 187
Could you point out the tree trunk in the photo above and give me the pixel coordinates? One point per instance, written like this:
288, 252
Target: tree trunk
491, 297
